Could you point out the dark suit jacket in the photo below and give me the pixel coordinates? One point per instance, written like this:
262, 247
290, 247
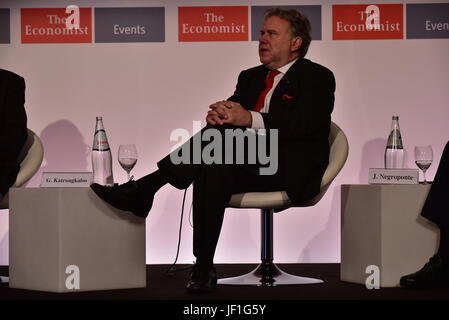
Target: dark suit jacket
300, 109
436, 206
13, 126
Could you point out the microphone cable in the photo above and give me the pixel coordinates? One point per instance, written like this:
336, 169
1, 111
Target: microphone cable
171, 270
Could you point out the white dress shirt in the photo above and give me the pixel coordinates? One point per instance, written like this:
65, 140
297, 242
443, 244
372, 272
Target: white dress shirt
256, 116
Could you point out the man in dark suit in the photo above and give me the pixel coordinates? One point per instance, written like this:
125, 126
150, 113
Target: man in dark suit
435, 273
13, 127
287, 94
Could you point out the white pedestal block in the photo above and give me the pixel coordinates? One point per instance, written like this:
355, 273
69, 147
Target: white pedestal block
63, 236
381, 225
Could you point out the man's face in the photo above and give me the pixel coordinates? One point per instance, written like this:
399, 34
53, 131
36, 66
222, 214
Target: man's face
276, 45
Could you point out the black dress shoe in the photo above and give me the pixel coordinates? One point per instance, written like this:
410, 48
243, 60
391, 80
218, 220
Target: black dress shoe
127, 196
202, 281
434, 274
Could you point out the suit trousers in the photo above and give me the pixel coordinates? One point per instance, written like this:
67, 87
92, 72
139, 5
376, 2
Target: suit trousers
436, 206
213, 186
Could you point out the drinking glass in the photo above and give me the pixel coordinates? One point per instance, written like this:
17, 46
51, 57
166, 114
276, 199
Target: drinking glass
423, 159
127, 157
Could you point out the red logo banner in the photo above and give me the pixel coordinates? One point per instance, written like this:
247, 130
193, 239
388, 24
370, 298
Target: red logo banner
48, 25
367, 21
213, 23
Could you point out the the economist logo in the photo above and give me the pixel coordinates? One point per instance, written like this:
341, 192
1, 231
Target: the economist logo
54, 25
367, 21
213, 23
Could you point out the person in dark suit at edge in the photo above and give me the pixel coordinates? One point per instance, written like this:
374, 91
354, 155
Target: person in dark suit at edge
435, 273
13, 127
298, 105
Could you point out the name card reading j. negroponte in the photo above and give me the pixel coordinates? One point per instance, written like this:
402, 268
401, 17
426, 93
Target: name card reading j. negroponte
130, 24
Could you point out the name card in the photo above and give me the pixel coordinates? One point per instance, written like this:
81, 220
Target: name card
393, 176
66, 179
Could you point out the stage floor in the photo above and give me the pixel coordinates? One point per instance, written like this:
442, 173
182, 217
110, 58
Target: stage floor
163, 287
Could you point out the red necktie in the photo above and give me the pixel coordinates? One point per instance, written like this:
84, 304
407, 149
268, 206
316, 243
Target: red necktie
268, 85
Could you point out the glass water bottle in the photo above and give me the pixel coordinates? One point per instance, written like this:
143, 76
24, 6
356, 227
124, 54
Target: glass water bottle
101, 156
394, 152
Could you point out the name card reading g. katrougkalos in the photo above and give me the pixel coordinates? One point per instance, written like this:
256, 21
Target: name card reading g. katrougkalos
393, 176
66, 179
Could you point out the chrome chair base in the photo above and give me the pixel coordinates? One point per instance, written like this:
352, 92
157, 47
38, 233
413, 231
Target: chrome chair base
267, 274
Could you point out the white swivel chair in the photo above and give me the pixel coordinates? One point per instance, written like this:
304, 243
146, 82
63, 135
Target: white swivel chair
30, 159
267, 273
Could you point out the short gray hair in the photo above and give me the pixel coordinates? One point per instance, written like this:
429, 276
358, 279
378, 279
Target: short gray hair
299, 25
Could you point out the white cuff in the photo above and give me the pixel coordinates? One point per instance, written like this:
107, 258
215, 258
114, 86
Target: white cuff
257, 121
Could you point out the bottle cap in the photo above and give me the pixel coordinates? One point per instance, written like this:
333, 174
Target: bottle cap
395, 117
99, 118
